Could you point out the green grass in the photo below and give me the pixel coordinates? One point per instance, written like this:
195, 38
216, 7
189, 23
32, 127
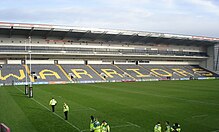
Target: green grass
193, 104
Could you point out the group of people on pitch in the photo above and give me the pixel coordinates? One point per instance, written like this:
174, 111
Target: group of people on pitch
53, 103
95, 125
174, 128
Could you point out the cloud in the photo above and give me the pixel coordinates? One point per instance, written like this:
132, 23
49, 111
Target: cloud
169, 3
207, 5
169, 16
124, 3
68, 15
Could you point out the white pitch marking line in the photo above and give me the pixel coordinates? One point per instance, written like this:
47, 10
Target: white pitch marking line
121, 126
134, 124
91, 108
198, 116
85, 108
171, 97
19, 89
56, 114
53, 112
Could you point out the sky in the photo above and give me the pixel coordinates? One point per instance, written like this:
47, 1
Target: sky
189, 17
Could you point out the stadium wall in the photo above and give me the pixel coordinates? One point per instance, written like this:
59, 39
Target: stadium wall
99, 62
124, 62
32, 62
216, 58
2, 61
173, 63
71, 61
13, 61
40, 62
209, 62
50, 61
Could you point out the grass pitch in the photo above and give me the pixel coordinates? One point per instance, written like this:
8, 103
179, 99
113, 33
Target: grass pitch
127, 107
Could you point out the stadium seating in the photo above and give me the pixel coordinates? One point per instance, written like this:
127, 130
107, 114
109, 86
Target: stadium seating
201, 72
46, 73
161, 71
11, 73
111, 72
183, 71
136, 71
80, 72
180, 71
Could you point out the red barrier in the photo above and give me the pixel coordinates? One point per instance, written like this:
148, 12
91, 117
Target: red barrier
4, 128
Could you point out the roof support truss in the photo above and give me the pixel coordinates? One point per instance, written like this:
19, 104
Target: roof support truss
10, 32
100, 36
47, 34
66, 33
84, 35
114, 37
30, 33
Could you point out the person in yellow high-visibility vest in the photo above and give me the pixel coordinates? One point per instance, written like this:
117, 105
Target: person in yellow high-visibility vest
176, 128
105, 127
92, 123
53, 103
97, 127
65, 110
168, 128
157, 127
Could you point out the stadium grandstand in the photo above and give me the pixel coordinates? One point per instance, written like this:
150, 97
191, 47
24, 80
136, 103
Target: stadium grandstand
50, 54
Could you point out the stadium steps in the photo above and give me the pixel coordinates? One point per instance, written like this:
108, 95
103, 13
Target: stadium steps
64, 72
140, 72
15, 73
188, 73
168, 68
114, 75
129, 76
48, 73
205, 70
151, 73
12, 73
81, 72
96, 72
213, 72
125, 72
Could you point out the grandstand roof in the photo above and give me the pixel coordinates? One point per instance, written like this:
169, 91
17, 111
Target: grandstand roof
104, 35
